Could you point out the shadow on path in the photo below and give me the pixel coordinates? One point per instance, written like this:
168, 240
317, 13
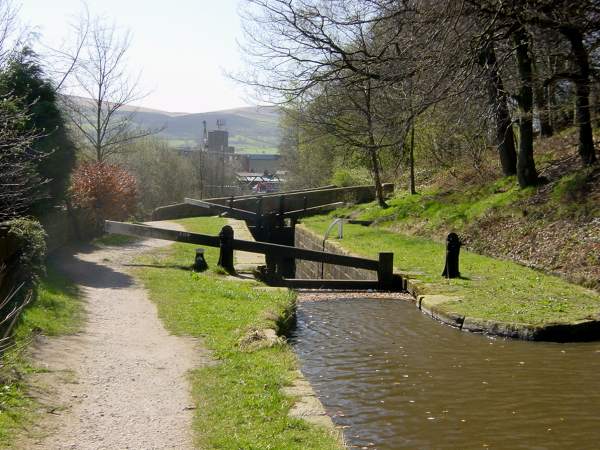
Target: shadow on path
88, 273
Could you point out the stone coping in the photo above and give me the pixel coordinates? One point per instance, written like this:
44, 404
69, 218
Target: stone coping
308, 407
432, 305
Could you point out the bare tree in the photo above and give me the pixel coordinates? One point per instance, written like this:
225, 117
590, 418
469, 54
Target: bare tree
104, 116
19, 180
321, 52
62, 61
351, 113
498, 101
390, 60
11, 33
579, 24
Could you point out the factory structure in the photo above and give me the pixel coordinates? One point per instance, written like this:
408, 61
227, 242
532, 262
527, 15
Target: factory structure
257, 173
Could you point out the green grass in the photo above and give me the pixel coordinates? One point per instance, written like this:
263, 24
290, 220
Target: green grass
570, 195
243, 145
492, 289
56, 310
252, 150
15, 410
239, 399
174, 142
438, 209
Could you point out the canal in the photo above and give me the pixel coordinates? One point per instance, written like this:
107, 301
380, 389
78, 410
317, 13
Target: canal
392, 378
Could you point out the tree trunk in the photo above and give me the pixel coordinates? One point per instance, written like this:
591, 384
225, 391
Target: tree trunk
98, 143
411, 162
552, 106
582, 97
505, 140
595, 103
586, 137
372, 149
526, 172
376, 174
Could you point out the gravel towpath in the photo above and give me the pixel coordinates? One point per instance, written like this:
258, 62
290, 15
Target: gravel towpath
122, 382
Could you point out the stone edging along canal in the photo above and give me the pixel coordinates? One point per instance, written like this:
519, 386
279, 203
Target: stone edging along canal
307, 405
432, 305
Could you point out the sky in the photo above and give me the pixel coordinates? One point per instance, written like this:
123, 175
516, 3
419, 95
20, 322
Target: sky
181, 47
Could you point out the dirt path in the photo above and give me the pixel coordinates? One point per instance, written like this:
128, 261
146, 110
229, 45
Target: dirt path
121, 383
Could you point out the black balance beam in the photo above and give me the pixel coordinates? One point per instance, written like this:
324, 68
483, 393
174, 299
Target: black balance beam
275, 250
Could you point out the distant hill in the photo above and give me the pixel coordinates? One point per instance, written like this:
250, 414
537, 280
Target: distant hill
252, 129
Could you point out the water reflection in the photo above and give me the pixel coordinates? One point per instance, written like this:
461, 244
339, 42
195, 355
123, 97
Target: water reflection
396, 379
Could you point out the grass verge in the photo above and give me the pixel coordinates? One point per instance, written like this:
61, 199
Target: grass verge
433, 209
56, 310
491, 289
239, 399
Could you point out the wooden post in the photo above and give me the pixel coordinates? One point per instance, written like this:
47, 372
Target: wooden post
259, 222
226, 249
385, 272
231, 202
259, 201
281, 218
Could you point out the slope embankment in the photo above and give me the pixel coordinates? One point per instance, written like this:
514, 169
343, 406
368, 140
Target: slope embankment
530, 261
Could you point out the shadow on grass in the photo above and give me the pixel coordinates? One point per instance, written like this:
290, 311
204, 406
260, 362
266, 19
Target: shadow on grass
242, 276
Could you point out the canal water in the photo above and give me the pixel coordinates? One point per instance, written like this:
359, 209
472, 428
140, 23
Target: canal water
392, 378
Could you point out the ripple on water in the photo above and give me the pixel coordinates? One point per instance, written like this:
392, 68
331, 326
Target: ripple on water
396, 379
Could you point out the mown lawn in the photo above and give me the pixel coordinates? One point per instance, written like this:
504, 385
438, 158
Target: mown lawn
57, 310
239, 399
491, 288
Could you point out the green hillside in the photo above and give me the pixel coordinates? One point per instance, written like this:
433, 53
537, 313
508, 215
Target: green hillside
251, 129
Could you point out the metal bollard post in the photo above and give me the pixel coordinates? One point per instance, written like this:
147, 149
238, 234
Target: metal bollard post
200, 264
226, 249
452, 253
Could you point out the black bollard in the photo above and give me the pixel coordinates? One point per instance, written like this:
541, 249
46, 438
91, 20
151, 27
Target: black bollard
226, 249
452, 252
200, 264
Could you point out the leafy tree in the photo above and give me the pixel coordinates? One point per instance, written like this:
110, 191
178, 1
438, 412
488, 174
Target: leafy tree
164, 175
107, 190
307, 155
23, 80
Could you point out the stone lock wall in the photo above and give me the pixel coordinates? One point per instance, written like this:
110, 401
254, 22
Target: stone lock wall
307, 239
